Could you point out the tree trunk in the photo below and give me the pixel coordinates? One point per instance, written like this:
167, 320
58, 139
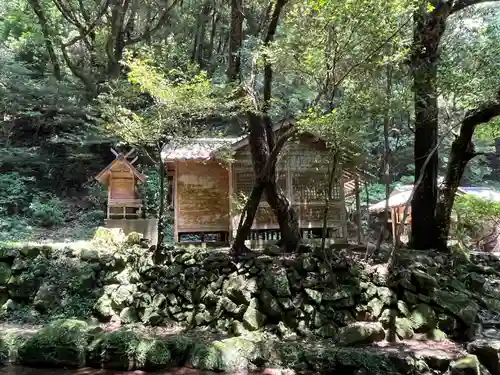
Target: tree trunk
387, 157
42, 20
462, 150
235, 41
248, 216
115, 44
429, 28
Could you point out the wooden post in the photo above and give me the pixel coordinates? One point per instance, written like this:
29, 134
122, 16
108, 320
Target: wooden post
394, 218
358, 208
176, 203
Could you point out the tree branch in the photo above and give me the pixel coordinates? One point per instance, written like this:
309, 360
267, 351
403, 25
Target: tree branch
150, 31
91, 27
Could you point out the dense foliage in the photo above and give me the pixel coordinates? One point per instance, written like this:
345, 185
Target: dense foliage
76, 77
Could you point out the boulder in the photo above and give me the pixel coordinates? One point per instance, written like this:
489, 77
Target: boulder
488, 352
424, 281
386, 295
104, 307
61, 344
468, 365
114, 350
239, 289
46, 298
22, 286
361, 333
253, 319
343, 292
5, 273
314, 295
89, 255
376, 306
423, 318
458, 304
107, 236
133, 238
128, 315
269, 304
226, 355
277, 283
404, 328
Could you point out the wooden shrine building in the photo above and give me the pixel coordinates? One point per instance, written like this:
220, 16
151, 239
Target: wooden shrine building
400, 198
209, 178
121, 177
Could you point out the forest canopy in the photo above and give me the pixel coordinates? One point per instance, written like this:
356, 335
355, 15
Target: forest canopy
412, 87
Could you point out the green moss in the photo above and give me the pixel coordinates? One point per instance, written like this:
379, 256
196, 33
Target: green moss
128, 350
60, 344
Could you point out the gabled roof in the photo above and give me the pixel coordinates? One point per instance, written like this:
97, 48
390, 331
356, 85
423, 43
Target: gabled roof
197, 148
102, 176
400, 196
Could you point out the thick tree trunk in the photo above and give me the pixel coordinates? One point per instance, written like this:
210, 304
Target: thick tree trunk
115, 45
429, 28
262, 142
47, 36
462, 150
248, 216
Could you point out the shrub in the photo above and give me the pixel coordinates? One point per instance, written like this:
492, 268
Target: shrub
47, 212
14, 193
476, 217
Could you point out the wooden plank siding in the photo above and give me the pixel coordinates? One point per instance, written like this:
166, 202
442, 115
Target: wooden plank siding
202, 192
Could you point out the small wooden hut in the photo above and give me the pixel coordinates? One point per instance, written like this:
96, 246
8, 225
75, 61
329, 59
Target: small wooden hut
211, 176
121, 178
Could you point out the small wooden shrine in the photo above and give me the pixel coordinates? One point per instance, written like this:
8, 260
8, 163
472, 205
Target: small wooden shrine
121, 178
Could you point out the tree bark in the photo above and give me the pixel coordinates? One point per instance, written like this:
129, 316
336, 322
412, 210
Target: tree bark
462, 150
429, 28
235, 41
47, 36
252, 204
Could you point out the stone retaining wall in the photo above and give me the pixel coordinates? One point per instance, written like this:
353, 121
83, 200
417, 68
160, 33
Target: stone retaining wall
329, 294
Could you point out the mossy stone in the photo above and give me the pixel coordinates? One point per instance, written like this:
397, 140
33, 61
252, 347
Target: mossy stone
61, 344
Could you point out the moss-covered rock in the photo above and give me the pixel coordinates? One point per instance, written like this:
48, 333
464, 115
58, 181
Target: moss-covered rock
468, 365
404, 328
128, 350
376, 306
133, 238
239, 289
226, 355
23, 285
60, 344
458, 304
423, 318
5, 273
253, 319
276, 281
46, 298
361, 333
270, 305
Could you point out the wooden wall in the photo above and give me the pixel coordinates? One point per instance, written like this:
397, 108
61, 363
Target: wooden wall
122, 183
302, 174
202, 196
